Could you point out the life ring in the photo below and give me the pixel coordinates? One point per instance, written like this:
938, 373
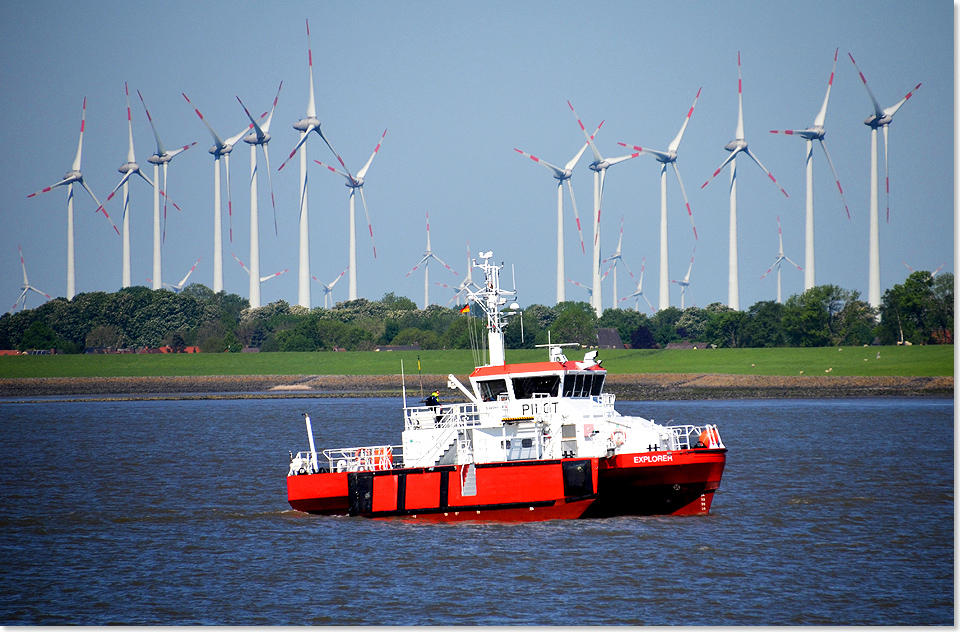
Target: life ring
709, 438
619, 437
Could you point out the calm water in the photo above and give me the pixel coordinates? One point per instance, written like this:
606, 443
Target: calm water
830, 512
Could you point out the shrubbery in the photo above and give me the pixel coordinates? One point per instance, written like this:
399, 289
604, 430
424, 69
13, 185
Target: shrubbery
919, 311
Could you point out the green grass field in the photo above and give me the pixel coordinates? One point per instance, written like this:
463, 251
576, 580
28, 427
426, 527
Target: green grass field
922, 361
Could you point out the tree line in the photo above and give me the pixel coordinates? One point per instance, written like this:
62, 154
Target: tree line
919, 311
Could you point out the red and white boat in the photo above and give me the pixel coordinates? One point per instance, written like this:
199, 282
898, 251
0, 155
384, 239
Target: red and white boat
533, 441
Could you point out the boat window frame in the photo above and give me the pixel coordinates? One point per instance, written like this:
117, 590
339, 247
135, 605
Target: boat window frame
536, 386
484, 388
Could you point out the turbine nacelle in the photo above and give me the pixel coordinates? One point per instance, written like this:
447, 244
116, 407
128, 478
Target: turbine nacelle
817, 132
736, 145
875, 122
253, 139
354, 183
307, 124
157, 159
220, 151
72, 176
129, 167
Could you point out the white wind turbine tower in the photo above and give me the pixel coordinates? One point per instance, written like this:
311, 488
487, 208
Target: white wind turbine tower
162, 157
685, 282
310, 123
260, 136
328, 288
563, 175
26, 287
261, 279
599, 167
665, 158
355, 183
221, 149
879, 118
71, 177
179, 286
639, 293
816, 132
617, 258
128, 169
780, 259
427, 256
736, 146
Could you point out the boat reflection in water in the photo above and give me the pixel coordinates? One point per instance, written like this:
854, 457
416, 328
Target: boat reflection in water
533, 441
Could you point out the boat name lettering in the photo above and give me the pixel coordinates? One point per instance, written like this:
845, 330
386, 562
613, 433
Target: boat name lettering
536, 408
653, 458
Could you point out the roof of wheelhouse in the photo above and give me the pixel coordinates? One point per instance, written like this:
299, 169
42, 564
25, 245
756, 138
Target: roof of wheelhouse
535, 367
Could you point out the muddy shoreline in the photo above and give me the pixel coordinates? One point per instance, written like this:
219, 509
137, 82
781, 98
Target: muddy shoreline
658, 386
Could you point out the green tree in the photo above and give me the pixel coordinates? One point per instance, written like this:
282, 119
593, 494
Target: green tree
826, 315
663, 326
38, 335
576, 323
626, 321
425, 338
762, 327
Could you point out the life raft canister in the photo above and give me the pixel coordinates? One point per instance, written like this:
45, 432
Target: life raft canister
709, 438
383, 458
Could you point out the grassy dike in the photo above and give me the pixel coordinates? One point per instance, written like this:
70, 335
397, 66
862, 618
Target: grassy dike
913, 361
633, 374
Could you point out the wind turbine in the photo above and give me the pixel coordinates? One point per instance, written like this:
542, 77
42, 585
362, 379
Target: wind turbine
71, 177
932, 274
599, 167
587, 288
736, 146
466, 285
221, 149
780, 259
162, 157
665, 158
617, 258
563, 175
355, 183
260, 136
179, 286
639, 291
815, 132
685, 282
328, 288
261, 279
427, 256
128, 169
879, 118
310, 123
26, 287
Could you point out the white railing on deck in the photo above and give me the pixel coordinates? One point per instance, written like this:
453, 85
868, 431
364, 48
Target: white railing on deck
362, 459
687, 436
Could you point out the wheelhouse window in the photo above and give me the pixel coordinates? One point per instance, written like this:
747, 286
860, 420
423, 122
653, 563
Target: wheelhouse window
582, 385
491, 390
536, 386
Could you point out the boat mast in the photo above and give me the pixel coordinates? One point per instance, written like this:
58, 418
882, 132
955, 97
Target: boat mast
490, 298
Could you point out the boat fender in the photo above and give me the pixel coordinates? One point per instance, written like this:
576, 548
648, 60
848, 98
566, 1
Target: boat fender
619, 437
302, 470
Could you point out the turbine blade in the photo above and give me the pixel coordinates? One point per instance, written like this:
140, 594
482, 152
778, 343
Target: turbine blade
335, 170
556, 170
739, 135
156, 135
245, 269
83, 121
876, 105
675, 144
596, 153
370, 225
303, 139
363, 171
576, 215
836, 177
759, 164
732, 155
822, 115
216, 138
273, 203
890, 111
686, 202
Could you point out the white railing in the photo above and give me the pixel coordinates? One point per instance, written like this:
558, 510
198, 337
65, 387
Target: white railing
442, 416
688, 436
362, 459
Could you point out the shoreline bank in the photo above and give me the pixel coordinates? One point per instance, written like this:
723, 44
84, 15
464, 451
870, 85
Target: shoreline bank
638, 387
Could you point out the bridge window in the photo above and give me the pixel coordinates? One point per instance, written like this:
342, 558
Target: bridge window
582, 385
491, 390
536, 386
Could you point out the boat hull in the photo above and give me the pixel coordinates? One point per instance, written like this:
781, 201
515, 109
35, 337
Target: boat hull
512, 491
679, 482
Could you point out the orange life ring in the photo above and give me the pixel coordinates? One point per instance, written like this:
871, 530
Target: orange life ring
619, 437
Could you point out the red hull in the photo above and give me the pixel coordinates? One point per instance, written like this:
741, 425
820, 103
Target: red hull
654, 483
511, 491
678, 483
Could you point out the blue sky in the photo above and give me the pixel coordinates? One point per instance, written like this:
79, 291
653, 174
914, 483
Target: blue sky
458, 86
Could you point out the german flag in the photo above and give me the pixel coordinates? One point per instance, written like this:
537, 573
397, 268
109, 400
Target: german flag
465, 309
